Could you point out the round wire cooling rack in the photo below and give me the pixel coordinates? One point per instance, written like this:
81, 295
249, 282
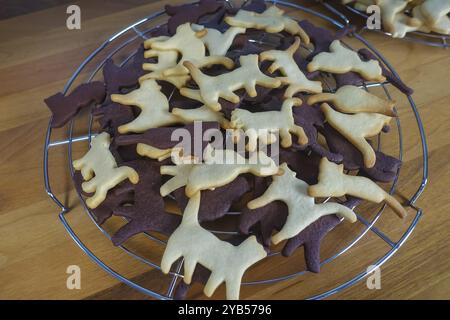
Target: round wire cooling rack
430, 39
132, 35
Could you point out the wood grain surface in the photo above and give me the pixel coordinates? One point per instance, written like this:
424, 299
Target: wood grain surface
37, 56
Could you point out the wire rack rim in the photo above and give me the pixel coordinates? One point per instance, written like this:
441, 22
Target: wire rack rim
64, 210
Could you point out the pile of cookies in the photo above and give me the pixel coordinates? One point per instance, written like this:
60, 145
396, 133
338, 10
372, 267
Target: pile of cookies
207, 67
402, 16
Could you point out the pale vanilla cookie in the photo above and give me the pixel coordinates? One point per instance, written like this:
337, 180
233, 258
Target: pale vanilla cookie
272, 20
218, 43
195, 244
247, 76
302, 210
333, 182
202, 113
166, 59
153, 104
263, 125
100, 172
294, 77
342, 60
176, 154
151, 152
356, 128
220, 167
351, 99
436, 14
188, 43
395, 21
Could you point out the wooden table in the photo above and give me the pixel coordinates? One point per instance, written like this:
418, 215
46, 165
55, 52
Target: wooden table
37, 56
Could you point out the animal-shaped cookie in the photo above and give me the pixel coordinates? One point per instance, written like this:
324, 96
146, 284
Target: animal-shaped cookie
219, 168
322, 37
99, 169
247, 76
351, 99
216, 203
341, 60
272, 20
188, 43
191, 12
263, 125
293, 76
436, 13
202, 113
153, 104
147, 212
217, 42
333, 182
124, 76
166, 59
160, 143
395, 21
356, 128
64, 108
226, 262
302, 209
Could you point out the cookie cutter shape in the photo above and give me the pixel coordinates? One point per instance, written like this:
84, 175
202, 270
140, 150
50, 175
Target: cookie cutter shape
99, 169
64, 108
342, 60
333, 182
202, 113
272, 20
147, 213
226, 262
188, 43
153, 104
220, 167
351, 99
191, 12
247, 76
302, 209
394, 20
356, 128
436, 15
293, 76
217, 42
262, 125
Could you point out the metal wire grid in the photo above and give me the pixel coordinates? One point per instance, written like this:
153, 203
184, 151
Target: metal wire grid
176, 274
429, 39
